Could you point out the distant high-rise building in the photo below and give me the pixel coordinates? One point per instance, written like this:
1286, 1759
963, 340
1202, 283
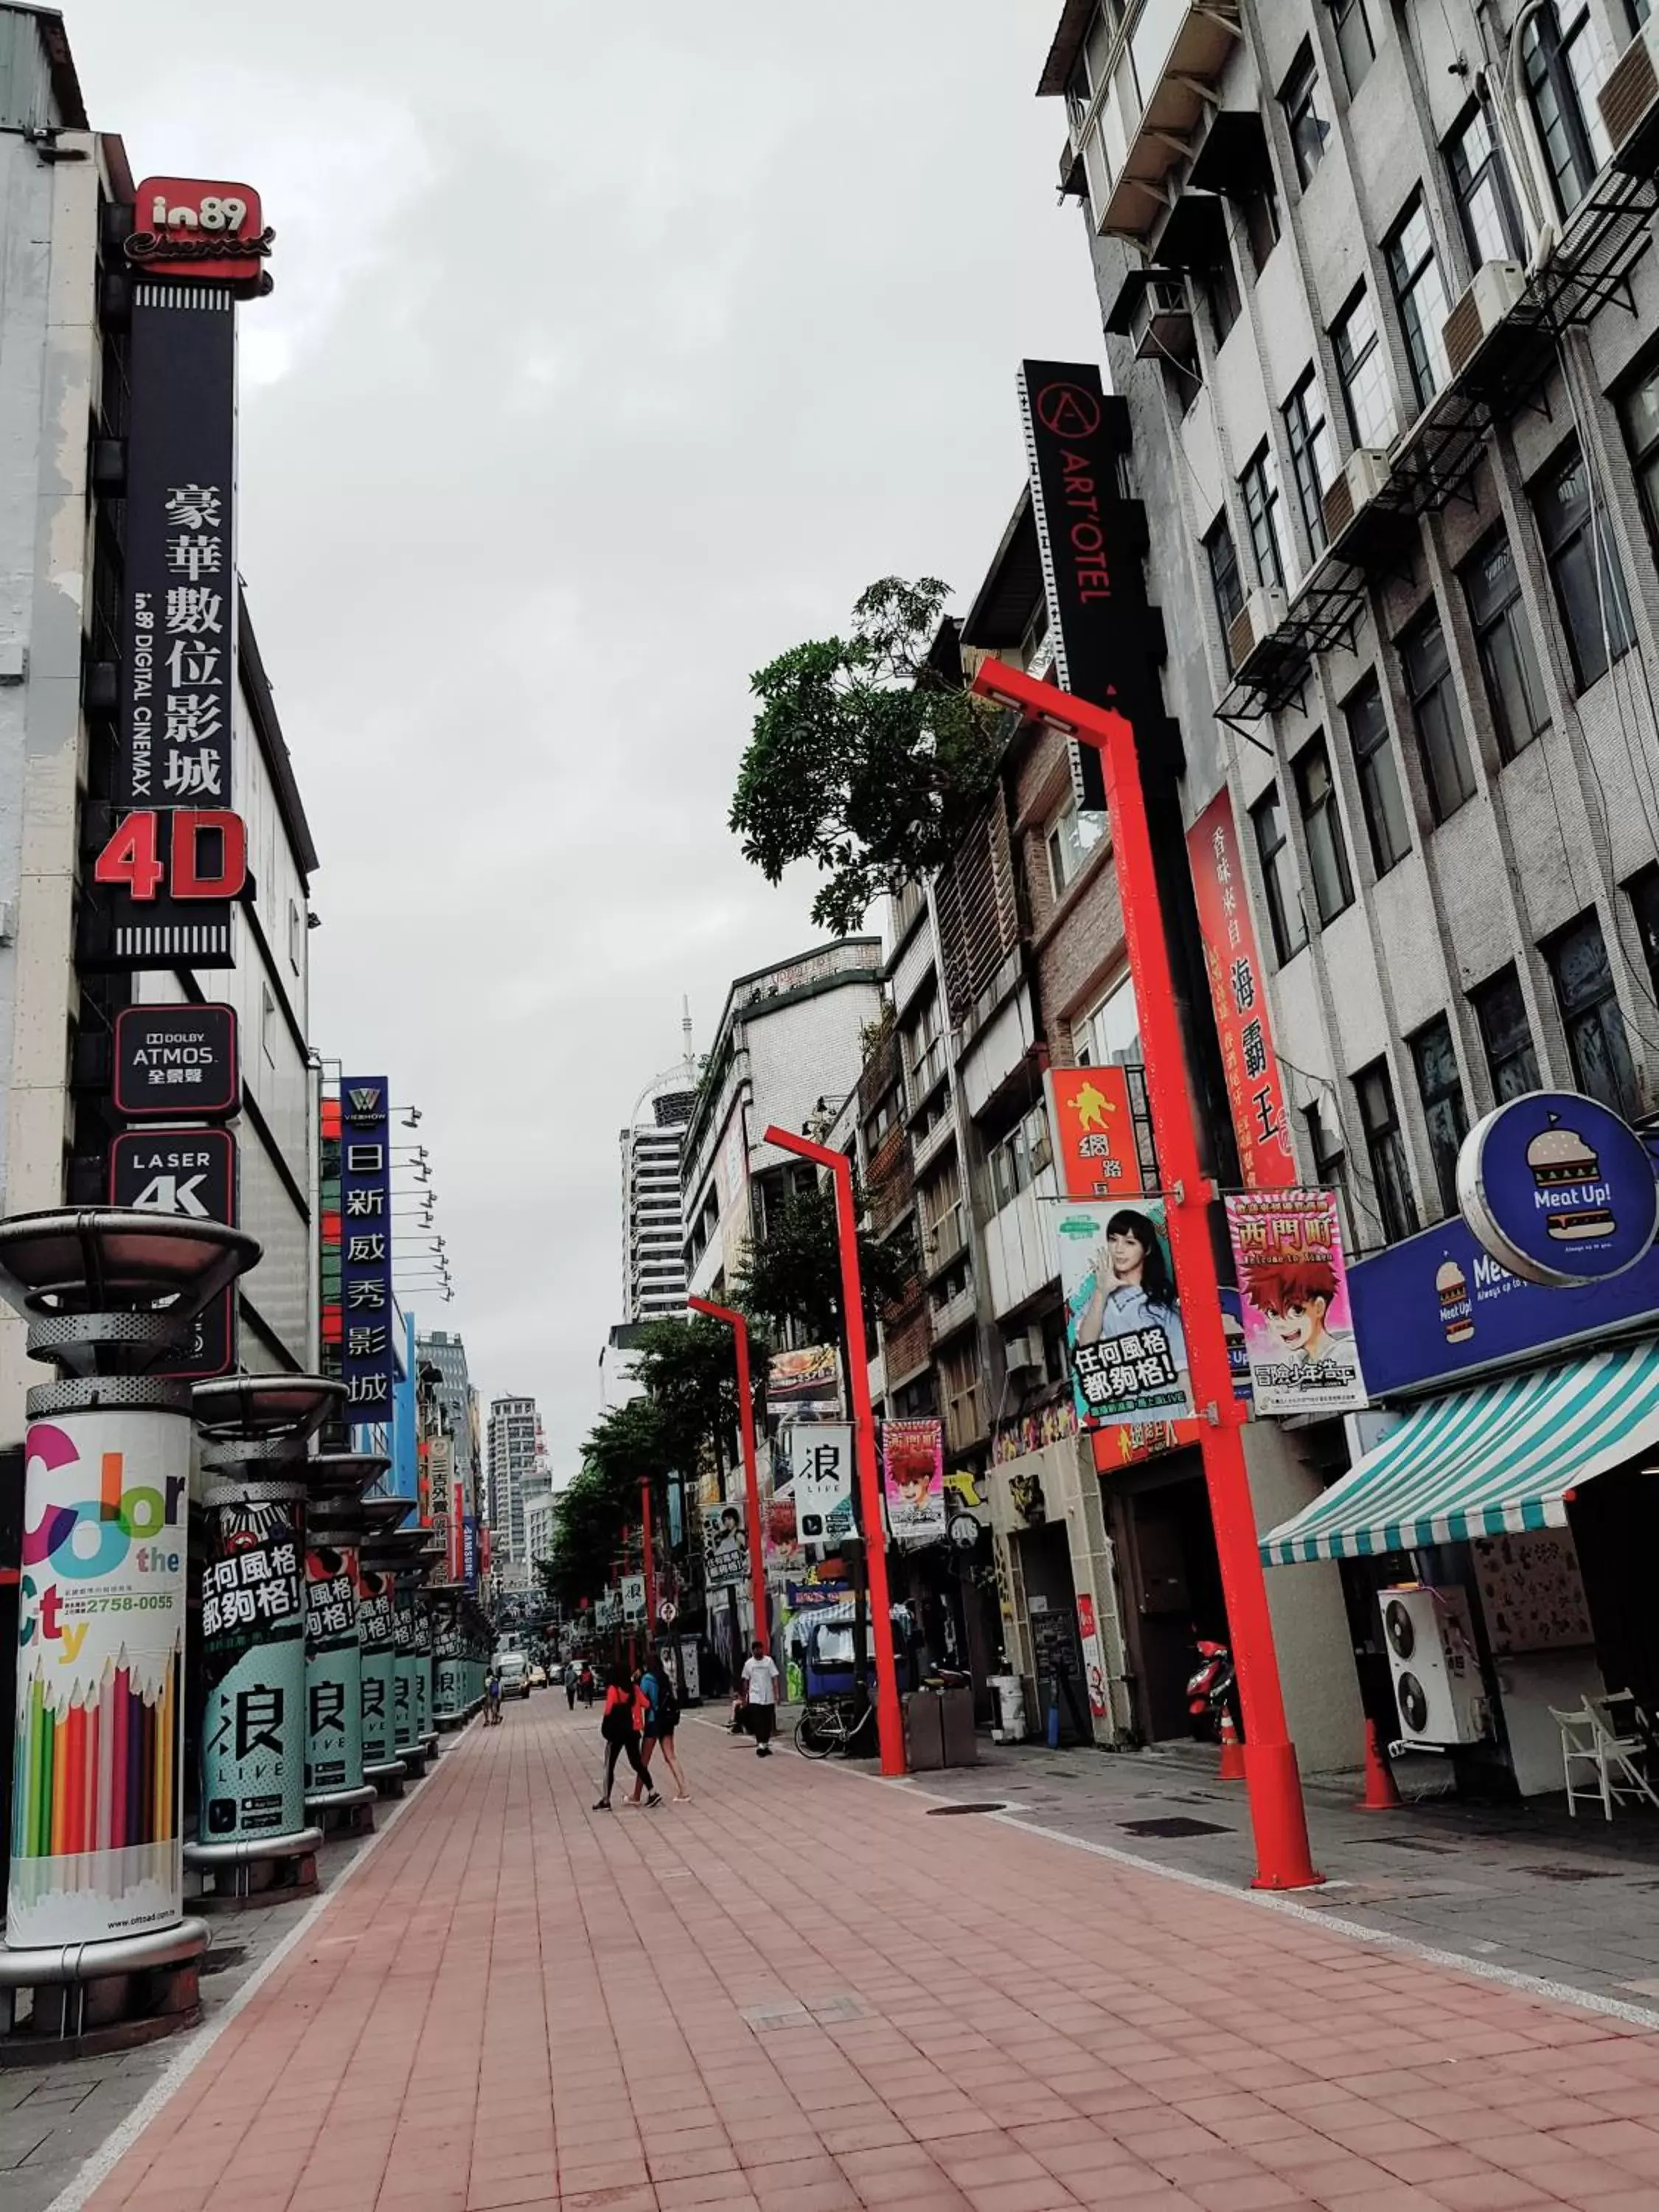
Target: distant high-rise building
653, 1227
448, 1354
515, 1447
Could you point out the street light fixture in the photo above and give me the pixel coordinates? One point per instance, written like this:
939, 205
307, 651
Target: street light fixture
1278, 1815
889, 1721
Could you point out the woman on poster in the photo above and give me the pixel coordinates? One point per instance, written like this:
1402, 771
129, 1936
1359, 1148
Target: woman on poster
1130, 1287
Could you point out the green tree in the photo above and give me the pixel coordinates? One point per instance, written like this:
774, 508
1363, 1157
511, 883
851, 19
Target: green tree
688, 1371
792, 1273
863, 758
627, 1447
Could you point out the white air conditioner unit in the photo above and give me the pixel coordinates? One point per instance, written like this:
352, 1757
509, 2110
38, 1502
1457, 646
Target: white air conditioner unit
1482, 312
1435, 1667
1629, 101
1249, 639
1024, 1350
1161, 322
1364, 474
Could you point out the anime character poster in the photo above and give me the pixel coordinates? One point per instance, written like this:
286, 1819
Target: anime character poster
1292, 1282
913, 1469
1124, 1337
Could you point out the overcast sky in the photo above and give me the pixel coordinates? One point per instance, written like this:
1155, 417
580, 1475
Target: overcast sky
616, 345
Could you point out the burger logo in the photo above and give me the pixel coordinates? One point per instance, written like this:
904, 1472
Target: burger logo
1568, 1186
1456, 1312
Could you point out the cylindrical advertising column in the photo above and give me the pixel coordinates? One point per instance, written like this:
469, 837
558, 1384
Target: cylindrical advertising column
335, 1787
407, 1743
449, 1696
96, 1787
376, 1622
253, 1662
425, 1727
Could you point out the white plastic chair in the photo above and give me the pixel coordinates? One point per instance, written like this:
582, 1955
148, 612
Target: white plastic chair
1590, 1738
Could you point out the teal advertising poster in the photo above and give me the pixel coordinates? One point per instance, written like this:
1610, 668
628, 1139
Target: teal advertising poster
254, 1669
376, 1618
334, 1722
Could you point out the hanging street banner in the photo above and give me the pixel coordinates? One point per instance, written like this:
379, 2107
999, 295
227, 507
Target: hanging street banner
192, 1174
913, 1480
633, 1597
725, 1552
1292, 1282
818, 1455
334, 1720
96, 1850
1238, 993
253, 1671
368, 1356
1093, 1131
1125, 1342
176, 1060
805, 1385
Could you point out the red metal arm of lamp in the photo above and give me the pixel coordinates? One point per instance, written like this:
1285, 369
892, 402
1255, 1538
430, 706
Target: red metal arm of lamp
889, 1721
740, 1328
1277, 1813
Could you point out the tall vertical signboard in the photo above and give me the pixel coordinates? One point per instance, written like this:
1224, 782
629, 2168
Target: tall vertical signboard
96, 1848
190, 1173
368, 1356
253, 1662
1238, 993
176, 856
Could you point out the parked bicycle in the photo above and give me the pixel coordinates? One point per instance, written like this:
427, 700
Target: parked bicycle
832, 1725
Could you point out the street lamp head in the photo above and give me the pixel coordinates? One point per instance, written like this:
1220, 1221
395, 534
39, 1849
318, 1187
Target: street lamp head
1037, 702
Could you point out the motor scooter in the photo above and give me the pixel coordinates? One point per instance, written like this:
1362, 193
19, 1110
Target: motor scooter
1211, 1691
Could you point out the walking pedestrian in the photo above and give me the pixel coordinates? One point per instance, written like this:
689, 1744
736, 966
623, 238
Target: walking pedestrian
664, 1719
585, 1681
572, 1676
760, 1692
616, 1727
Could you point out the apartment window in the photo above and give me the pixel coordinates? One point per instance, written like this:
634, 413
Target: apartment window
267, 1024
881, 1120
1322, 825
1221, 295
1640, 409
1013, 1164
1072, 836
1260, 209
923, 1044
1427, 665
1378, 770
1480, 181
1589, 1014
1109, 1034
1440, 1087
1359, 365
1385, 1146
1562, 60
1313, 464
1589, 586
1500, 1013
1225, 580
1420, 297
1272, 848
1503, 638
1356, 41
1308, 126
1264, 511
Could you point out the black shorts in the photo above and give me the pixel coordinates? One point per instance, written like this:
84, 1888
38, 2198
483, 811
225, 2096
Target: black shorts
761, 1721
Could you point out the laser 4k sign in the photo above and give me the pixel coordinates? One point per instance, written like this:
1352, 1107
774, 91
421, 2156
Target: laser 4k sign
191, 1173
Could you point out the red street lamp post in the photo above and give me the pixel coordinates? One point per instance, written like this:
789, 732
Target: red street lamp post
650, 1564
1277, 1813
740, 1328
890, 1722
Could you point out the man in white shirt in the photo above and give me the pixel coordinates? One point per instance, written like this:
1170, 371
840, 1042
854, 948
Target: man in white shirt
760, 1691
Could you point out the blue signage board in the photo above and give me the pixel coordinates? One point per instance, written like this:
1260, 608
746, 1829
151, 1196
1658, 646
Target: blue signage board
470, 1550
1438, 1308
368, 1353
1557, 1188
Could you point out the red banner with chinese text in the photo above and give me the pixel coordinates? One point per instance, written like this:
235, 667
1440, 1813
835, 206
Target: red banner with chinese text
1238, 992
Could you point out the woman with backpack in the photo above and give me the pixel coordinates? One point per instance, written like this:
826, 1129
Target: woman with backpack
617, 1727
662, 1719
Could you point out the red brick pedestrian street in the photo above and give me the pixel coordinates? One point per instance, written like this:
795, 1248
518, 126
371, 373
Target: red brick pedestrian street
807, 1990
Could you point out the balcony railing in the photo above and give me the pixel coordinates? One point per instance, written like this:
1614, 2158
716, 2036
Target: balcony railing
1142, 122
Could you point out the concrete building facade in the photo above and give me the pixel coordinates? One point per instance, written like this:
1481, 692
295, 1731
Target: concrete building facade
514, 1446
653, 1225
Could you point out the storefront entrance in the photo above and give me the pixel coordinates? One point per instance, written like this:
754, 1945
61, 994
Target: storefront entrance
1045, 1562
1170, 1576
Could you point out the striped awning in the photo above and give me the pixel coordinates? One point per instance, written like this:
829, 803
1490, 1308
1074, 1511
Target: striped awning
1499, 1458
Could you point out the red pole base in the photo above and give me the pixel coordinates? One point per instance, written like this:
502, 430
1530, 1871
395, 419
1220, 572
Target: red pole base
1282, 1857
1381, 1795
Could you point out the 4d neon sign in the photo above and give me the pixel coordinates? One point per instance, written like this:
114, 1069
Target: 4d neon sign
201, 230
206, 855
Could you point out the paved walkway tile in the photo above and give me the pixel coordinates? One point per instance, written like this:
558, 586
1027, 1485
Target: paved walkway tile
802, 1993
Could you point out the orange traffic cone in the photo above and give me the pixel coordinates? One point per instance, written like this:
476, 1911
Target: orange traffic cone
1381, 1796
1232, 1750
